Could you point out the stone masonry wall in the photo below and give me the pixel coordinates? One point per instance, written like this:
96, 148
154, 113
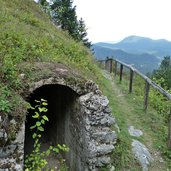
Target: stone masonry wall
11, 154
97, 141
99, 138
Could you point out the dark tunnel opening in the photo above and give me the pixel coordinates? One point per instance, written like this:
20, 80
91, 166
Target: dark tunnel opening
63, 108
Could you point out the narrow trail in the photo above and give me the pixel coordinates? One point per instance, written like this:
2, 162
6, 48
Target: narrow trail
131, 118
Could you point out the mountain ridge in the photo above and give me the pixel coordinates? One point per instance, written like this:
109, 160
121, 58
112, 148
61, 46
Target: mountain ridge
145, 53
138, 45
138, 61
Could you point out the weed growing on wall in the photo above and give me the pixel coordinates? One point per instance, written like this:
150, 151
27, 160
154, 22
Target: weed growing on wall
37, 159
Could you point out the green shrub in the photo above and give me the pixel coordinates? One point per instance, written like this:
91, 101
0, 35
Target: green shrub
37, 159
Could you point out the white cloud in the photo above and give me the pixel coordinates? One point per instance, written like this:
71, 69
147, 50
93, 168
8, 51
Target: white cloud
111, 20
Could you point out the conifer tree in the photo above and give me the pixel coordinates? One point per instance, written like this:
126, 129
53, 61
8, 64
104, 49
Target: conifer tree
83, 33
64, 16
45, 6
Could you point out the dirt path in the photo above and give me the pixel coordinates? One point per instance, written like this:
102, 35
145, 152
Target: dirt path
131, 118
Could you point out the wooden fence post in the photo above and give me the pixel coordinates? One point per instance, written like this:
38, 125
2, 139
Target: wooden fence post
105, 64
131, 80
110, 65
148, 82
147, 89
115, 70
121, 72
169, 130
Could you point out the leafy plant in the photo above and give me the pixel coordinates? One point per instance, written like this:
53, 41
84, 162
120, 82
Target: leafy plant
37, 159
5, 105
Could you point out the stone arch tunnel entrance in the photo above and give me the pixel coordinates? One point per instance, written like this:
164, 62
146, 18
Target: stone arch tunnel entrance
62, 128
79, 116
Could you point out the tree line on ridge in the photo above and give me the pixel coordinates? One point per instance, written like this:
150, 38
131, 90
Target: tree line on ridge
63, 14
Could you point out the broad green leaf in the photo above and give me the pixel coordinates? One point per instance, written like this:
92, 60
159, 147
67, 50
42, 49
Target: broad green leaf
32, 127
45, 118
44, 104
31, 108
44, 109
56, 150
43, 121
34, 135
48, 152
36, 115
40, 109
38, 123
43, 100
40, 128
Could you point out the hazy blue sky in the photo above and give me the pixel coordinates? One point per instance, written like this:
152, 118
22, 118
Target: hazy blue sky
112, 20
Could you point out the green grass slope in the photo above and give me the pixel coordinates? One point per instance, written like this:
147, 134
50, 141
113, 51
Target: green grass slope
128, 110
27, 36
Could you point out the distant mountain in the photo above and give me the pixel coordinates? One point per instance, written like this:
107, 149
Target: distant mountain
143, 62
144, 53
138, 45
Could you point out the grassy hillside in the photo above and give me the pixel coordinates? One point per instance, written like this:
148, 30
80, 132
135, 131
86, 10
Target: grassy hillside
27, 35
128, 110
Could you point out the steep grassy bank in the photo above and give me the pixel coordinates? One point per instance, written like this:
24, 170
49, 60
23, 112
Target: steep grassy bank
128, 111
27, 36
